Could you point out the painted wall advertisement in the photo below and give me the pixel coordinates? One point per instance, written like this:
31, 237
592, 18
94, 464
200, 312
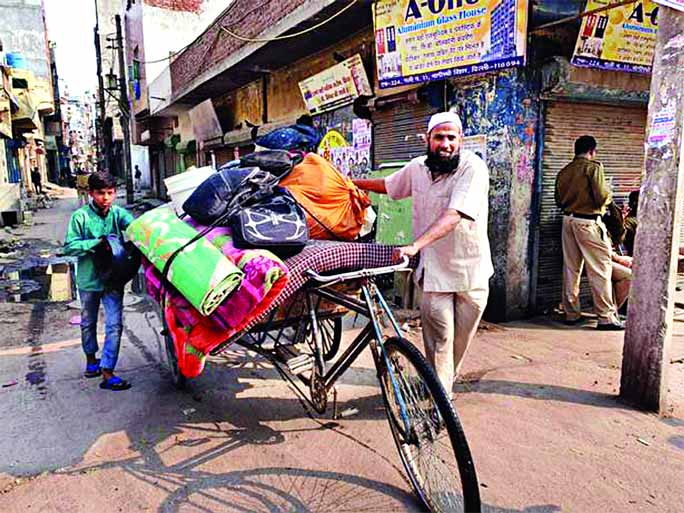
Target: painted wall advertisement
622, 38
417, 41
354, 159
336, 86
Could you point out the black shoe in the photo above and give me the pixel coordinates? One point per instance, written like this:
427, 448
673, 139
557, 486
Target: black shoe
572, 322
613, 326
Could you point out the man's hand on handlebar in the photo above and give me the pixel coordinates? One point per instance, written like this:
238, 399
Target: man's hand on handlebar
404, 251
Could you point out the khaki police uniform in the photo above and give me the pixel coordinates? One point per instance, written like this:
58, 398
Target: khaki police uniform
582, 194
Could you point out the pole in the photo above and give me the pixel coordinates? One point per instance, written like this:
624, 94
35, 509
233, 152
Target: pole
646, 356
125, 112
101, 144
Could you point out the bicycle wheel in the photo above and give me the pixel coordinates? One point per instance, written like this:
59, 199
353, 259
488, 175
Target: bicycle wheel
179, 381
331, 336
426, 429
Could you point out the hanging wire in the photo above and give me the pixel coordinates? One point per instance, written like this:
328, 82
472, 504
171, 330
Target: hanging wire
288, 36
173, 54
247, 39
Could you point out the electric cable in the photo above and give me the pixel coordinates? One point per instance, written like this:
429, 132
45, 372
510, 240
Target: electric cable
288, 36
173, 54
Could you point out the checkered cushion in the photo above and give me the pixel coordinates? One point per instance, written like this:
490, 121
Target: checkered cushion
324, 257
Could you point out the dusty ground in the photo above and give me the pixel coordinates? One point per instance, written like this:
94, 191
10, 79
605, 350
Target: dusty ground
541, 415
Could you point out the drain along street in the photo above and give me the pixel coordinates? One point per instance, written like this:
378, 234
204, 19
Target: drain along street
341, 255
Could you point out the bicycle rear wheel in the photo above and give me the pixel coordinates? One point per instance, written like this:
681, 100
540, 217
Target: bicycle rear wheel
426, 429
179, 381
331, 336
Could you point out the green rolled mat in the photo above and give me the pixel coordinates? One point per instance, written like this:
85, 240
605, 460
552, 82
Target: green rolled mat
200, 272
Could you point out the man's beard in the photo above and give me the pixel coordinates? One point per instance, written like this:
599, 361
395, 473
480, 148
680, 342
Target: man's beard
442, 165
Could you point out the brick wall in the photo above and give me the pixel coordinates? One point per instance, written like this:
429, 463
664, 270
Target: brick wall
247, 18
177, 5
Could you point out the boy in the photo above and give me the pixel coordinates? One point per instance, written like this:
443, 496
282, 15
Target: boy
86, 238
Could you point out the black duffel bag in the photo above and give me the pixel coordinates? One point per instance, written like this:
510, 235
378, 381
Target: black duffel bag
276, 223
277, 162
218, 194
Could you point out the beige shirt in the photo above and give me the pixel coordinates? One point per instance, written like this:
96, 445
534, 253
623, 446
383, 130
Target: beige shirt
461, 260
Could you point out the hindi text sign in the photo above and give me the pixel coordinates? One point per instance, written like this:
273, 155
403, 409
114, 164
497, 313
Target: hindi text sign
436, 39
621, 39
336, 86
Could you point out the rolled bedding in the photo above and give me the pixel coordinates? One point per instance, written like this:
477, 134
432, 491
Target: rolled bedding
200, 272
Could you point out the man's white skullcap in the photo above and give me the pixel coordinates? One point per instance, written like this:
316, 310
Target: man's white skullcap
444, 117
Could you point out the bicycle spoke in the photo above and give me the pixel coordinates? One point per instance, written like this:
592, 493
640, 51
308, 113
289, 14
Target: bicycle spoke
432, 455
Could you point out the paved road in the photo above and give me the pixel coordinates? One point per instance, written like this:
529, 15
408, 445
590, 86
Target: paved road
545, 426
238, 439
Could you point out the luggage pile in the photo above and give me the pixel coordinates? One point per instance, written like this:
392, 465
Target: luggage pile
219, 264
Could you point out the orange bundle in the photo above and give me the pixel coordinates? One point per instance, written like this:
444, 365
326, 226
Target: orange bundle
327, 195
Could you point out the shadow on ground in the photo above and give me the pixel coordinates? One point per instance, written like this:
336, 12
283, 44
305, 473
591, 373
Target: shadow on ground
223, 420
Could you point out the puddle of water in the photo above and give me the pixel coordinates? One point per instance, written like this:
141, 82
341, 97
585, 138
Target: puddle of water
677, 441
44, 282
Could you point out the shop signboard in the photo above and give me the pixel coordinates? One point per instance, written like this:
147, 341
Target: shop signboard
335, 87
620, 39
675, 4
205, 122
418, 41
5, 116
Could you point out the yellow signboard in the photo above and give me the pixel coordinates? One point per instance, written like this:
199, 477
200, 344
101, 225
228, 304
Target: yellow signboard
5, 116
417, 41
336, 86
622, 38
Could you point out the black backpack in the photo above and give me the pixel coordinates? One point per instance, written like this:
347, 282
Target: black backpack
259, 212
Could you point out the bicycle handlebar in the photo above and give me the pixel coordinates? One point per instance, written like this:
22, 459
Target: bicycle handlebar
363, 273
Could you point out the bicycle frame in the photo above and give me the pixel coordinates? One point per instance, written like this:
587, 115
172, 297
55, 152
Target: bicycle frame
371, 306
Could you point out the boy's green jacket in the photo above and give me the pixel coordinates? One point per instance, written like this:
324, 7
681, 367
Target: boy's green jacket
86, 227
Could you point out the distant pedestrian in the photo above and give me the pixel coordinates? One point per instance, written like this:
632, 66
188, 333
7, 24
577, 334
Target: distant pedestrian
37, 181
138, 175
86, 238
64, 176
583, 195
82, 186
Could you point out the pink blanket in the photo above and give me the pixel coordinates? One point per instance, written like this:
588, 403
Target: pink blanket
265, 277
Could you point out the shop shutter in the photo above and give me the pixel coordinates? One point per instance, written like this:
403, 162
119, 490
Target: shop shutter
223, 155
396, 130
620, 132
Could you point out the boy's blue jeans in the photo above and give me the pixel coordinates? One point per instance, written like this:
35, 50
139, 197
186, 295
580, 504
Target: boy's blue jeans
113, 308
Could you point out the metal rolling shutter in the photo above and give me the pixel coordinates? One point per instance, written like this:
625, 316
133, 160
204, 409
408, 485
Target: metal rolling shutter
620, 132
396, 130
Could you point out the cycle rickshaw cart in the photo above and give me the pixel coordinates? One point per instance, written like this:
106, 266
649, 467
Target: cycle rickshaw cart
301, 337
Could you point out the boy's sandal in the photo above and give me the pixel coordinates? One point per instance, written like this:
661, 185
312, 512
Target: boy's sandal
93, 370
115, 383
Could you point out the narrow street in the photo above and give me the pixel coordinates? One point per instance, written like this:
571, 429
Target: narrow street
540, 407
153, 448
389, 208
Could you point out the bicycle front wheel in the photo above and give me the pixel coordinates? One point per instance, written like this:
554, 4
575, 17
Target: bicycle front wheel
426, 429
